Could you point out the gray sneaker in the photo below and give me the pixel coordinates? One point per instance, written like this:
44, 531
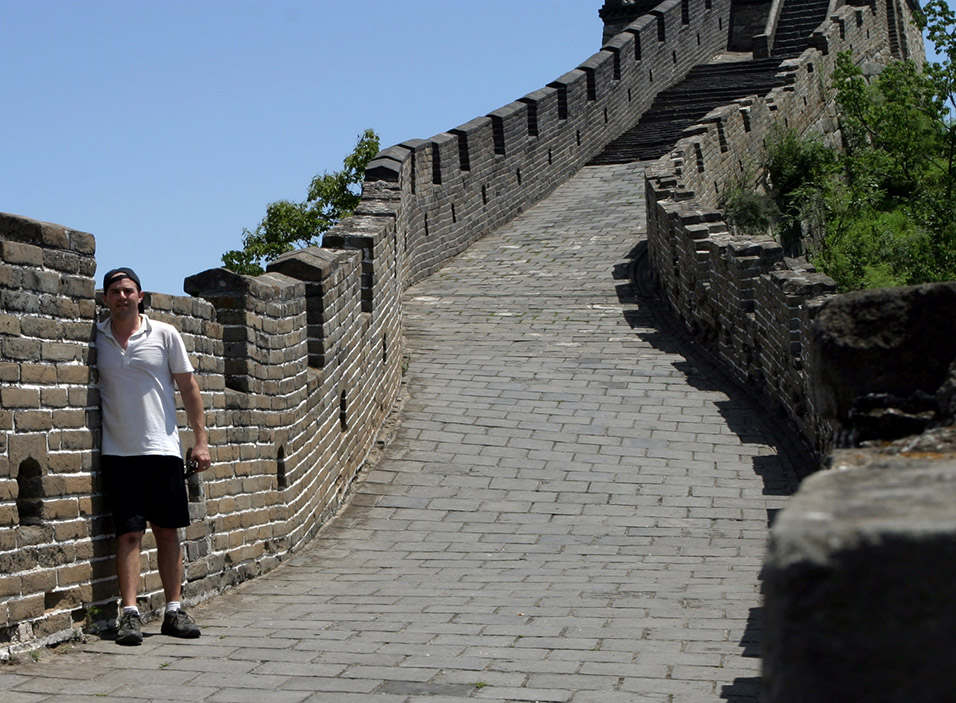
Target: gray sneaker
179, 624
129, 630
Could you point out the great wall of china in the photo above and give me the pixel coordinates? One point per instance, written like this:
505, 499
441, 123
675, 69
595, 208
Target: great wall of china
300, 367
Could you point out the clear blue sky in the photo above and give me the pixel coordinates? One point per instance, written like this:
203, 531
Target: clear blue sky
164, 127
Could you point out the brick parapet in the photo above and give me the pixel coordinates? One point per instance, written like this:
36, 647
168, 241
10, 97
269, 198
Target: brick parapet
48, 425
299, 367
739, 294
463, 183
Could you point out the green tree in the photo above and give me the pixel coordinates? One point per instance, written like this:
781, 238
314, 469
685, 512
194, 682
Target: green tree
890, 222
288, 225
801, 172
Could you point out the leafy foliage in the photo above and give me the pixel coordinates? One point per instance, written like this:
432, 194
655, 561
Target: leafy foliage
797, 173
288, 225
891, 222
748, 210
800, 171
885, 205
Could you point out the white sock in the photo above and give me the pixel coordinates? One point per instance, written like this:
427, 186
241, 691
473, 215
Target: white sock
172, 606
130, 609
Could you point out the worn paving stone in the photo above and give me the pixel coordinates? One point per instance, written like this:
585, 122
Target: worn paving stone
573, 509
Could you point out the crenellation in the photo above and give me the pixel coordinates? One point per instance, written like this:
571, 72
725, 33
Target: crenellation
729, 272
299, 367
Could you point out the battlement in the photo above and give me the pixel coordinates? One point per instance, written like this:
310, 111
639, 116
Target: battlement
298, 367
739, 294
851, 578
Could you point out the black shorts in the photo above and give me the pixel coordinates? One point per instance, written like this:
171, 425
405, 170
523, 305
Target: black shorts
145, 489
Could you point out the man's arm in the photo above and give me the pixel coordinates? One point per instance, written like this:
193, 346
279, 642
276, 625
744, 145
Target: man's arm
192, 400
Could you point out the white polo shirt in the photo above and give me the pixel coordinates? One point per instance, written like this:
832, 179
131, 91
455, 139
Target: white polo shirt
137, 389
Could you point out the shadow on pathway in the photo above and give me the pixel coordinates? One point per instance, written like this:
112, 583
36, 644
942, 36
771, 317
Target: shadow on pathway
571, 510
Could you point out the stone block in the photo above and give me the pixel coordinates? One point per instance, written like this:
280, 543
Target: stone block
891, 342
32, 421
22, 254
858, 602
21, 349
16, 397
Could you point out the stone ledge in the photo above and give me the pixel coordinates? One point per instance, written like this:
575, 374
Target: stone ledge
858, 584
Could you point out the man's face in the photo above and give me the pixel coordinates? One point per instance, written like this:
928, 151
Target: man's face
123, 298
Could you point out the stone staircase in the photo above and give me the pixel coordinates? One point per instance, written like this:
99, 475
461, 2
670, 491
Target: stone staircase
677, 108
714, 84
797, 21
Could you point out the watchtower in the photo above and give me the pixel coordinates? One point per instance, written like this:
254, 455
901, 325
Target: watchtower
617, 14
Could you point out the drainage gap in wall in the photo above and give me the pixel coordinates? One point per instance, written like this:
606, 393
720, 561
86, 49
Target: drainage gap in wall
637, 46
685, 11
605, 116
550, 157
577, 136
454, 217
281, 480
464, 159
414, 174
426, 225
532, 116
436, 165
384, 348
562, 99
30, 493
498, 133
518, 175
343, 412
484, 195
650, 75
591, 82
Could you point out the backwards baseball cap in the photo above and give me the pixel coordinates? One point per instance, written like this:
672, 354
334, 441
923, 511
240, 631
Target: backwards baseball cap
119, 274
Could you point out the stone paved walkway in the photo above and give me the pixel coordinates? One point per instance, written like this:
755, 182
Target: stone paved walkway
570, 510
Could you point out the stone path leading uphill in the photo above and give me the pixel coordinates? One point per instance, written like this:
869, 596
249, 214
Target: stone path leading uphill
570, 510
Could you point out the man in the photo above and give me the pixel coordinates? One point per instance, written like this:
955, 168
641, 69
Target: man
140, 363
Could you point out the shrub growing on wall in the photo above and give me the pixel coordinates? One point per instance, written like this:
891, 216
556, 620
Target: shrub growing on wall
881, 213
288, 225
797, 175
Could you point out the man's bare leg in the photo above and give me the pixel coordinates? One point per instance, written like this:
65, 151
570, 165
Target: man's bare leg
127, 574
169, 555
128, 547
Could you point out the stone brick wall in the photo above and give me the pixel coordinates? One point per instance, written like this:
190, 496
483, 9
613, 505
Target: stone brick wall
739, 294
48, 558
298, 367
856, 604
460, 184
